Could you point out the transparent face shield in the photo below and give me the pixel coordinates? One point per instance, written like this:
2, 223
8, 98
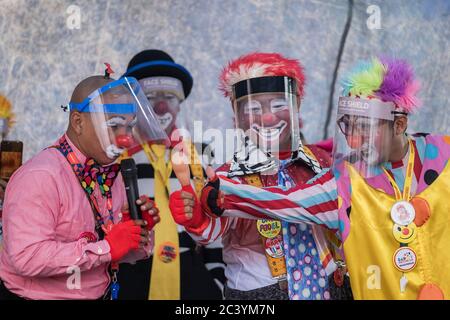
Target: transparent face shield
266, 111
165, 95
364, 132
121, 117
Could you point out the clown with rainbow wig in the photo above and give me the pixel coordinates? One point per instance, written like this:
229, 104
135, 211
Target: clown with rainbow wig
265, 258
385, 196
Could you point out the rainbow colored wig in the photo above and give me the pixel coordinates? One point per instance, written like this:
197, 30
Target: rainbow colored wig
387, 79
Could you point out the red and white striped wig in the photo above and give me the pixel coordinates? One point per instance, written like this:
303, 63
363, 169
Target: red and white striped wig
260, 64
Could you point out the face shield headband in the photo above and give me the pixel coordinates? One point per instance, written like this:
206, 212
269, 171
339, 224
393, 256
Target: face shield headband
122, 108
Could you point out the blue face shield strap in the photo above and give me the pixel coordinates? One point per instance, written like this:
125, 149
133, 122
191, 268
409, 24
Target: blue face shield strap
119, 108
123, 108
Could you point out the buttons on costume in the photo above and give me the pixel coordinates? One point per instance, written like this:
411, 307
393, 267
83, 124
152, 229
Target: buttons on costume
405, 259
405, 234
403, 213
268, 228
274, 246
167, 252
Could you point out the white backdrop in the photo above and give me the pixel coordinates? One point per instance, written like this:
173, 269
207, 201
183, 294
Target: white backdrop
42, 55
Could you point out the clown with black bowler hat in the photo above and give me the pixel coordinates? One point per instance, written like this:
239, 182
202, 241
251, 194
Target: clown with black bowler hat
165, 83
177, 270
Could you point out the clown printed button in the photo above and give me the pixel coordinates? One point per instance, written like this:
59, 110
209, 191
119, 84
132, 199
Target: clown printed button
274, 247
167, 252
405, 259
268, 228
403, 213
405, 234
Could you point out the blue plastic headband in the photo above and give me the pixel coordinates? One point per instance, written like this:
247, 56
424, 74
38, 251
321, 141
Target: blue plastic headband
121, 108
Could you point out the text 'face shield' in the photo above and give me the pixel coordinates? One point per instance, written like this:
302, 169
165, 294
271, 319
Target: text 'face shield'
363, 136
165, 95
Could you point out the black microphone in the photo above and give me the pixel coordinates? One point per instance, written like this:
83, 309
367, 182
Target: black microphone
129, 174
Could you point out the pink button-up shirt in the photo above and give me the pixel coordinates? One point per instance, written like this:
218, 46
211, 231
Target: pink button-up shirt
46, 215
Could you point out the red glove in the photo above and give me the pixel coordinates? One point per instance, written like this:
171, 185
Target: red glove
122, 238
125, 216
152, 220
177, 207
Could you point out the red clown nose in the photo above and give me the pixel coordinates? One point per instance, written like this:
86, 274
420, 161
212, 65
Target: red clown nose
354, 142
161, 107
124, 141
269, 119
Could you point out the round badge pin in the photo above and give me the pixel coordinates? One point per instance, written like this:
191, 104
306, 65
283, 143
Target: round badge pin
405, 234
268, 228
274, 246
167, 252
405, 259
403, 213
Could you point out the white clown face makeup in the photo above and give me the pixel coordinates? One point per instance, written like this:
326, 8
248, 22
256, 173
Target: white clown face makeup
165, 95
113, 151
120, 129
165, 120
166, 106
266, 117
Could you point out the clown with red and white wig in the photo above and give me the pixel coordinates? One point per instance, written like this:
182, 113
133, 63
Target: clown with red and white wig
265, 91
386, 195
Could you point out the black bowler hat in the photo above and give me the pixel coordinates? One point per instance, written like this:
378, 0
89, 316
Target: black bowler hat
157, 63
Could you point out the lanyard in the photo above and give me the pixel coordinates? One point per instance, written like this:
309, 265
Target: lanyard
408, 177
404, 254
88, 186
105, 181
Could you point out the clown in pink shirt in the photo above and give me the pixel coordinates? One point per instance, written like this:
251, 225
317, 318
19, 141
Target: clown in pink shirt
65, 218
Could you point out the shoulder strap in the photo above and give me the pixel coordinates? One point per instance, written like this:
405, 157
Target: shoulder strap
277, 266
